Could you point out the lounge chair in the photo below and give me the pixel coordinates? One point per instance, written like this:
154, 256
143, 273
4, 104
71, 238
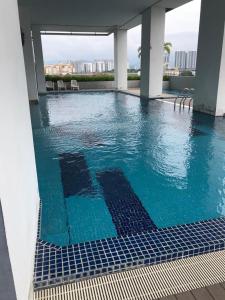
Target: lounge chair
60, 85
50, 85
74, 85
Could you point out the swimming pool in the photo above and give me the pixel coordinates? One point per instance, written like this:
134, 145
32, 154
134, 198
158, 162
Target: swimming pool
111, 166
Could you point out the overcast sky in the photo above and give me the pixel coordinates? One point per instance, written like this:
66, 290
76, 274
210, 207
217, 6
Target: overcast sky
181, 29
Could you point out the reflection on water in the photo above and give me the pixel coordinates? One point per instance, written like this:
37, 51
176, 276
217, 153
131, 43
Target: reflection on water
174, 161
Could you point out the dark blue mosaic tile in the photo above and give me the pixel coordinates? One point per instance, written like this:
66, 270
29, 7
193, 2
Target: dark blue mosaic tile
127, 211
197, 132
56, 265
76, 178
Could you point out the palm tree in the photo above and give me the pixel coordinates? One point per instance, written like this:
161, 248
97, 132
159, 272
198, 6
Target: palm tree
139, 52
166, 46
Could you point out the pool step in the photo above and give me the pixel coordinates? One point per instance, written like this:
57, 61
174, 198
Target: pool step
126, 209
76, 178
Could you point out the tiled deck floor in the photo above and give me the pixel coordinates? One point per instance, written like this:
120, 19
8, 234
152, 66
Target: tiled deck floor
137, 92
195, 278
213, 292
166, 96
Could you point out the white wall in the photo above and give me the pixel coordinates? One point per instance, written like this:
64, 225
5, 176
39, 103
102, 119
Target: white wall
182, 82
102, 85
18, 181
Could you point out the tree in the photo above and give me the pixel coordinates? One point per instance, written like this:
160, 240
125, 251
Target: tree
166, 46
139, 52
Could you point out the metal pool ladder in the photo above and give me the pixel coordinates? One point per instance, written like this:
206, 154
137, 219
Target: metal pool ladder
187, 94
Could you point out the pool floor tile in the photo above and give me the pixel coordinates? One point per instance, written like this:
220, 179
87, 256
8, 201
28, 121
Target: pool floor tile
127, 211
76, 178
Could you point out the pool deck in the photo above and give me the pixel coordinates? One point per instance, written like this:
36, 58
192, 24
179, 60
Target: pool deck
136, 92
213, 292
164, 97
196, 278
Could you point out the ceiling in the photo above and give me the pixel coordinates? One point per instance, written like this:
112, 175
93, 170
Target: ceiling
91, 15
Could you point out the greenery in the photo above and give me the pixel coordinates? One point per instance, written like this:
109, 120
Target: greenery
133, 77
139, 51
82, 78
166, 46
186, 73
132, 71
166, 77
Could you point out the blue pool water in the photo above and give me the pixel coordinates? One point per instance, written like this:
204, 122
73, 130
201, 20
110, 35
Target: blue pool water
111, 164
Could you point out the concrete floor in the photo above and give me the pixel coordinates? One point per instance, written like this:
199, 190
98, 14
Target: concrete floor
194, 278
213, 292
167, 97
134, 91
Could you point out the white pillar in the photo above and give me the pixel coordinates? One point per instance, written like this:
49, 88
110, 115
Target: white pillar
18, 179
210, 74
120, 59
28, 54
152, 52
39, 61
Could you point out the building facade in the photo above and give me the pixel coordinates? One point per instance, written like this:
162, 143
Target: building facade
59, 69
180, 60
166, 58
185, 60
80, 67
191, 60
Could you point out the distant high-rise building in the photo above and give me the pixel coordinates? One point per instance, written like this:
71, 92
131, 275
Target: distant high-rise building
88, 67
80, 67
191, 60
109, 65
180, 60
99, 66
166, 58
59, 69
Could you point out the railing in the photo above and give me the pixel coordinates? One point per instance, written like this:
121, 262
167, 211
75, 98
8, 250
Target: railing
187, 94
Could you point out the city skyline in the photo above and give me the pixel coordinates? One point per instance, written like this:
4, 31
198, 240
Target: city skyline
183, 60
81, 66
188, 39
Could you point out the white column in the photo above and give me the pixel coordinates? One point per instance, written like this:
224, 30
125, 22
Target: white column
120, 59
18, 179
210, 74
39, 61
152, 52
28, 54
